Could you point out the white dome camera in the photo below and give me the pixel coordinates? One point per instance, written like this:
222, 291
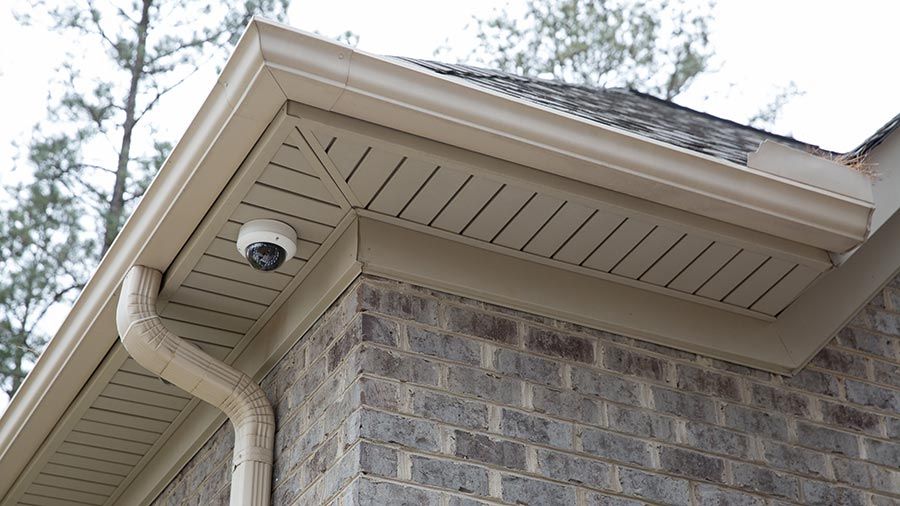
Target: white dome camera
266, 244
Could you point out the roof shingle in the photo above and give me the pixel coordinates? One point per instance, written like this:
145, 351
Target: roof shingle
625, 109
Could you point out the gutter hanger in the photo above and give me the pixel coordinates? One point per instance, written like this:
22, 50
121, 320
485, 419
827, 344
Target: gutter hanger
189, 368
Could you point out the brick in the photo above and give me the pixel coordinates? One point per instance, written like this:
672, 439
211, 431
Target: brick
818, 493
633, 363
374, 329
465, 320
517, 424
321, 460
690, 406
848, 417
521, 490
879, 500
640, 423
605, 386
381, 299
840, 361
884, 479
577, 470
814, 381
874, 396
379, 493
886, 372
882, 452
795, 459
760, 479
893, 428
446, 346
772, 398
450, 475
300, 392
709, 495
302, 448
389, 428
662, 350
555, 344
484, 385
379, 394
483, 448
338, 475
398, 366
528, 367
713, 439
829, 440
597, 499
692, 464
449, 409
612, 446
883, 321
564, 404
654, 487
869, 342
740, 370
756, 422
377, 460
693, 379
851, 472
464, 501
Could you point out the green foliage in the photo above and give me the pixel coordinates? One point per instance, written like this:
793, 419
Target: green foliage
96, 153
652, 46
41, 252
145, 49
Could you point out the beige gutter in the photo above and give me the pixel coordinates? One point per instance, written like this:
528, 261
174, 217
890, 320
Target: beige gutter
186, 366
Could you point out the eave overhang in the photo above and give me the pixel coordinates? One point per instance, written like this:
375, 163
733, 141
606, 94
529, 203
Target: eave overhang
310, 85
395, 94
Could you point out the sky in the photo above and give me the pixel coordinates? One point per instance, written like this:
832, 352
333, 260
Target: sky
840, 54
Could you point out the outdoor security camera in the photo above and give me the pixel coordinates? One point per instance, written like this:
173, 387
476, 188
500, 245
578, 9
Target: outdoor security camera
266, 244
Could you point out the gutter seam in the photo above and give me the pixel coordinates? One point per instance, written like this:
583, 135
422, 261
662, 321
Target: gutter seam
346, 83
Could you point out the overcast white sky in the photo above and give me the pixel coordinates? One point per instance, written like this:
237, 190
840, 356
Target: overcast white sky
841, 54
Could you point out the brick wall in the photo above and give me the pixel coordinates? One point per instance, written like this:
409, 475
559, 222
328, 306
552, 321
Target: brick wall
401, 395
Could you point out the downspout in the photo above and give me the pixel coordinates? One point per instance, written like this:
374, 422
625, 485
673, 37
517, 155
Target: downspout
189, 368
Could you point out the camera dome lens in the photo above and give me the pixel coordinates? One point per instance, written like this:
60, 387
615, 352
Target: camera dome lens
265, 256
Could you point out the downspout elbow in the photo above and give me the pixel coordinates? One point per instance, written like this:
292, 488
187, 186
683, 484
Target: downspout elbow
186, 366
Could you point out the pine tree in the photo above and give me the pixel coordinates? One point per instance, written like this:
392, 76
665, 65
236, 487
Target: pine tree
96, 153
654, 46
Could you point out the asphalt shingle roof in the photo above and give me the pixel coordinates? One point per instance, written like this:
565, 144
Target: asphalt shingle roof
626, 109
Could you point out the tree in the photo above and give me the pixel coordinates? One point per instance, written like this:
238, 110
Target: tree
40, 254
151, 47
96, 153
647, 45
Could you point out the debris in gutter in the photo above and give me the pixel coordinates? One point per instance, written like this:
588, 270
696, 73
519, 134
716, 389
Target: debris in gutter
857, 162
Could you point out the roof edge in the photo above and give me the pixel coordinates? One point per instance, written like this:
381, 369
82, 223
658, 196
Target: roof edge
238, 109
406, 97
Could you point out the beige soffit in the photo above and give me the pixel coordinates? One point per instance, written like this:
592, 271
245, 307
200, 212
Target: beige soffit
273, 64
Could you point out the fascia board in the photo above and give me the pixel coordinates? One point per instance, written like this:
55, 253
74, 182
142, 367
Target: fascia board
418, 257
242, 103
833, 300
394, 94
797, 165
